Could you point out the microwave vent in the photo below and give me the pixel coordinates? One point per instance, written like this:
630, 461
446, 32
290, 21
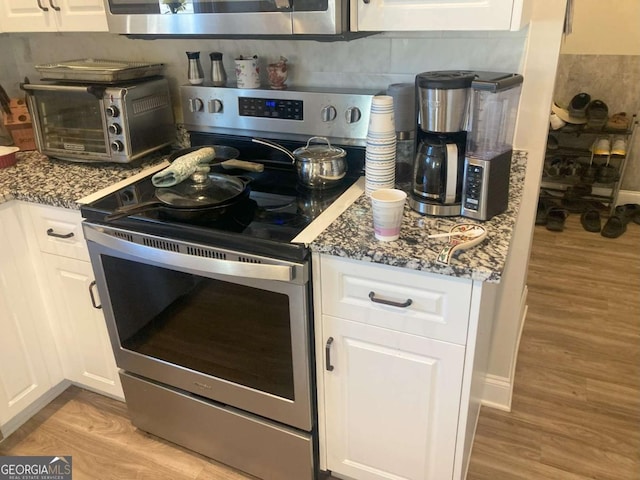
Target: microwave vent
203, 252
149, 103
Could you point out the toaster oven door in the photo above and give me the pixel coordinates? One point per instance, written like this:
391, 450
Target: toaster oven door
69, 122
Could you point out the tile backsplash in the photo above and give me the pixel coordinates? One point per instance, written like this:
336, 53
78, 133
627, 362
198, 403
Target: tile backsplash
371, 62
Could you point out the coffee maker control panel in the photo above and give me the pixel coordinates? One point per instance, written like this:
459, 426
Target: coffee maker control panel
485, 186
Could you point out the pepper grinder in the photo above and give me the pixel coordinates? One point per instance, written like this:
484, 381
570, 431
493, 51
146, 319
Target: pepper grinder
194, 72
218, 75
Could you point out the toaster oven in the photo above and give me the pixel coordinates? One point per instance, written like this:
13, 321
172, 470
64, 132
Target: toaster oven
101, 123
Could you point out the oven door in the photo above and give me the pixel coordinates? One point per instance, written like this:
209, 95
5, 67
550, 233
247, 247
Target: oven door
69, 122
224, 325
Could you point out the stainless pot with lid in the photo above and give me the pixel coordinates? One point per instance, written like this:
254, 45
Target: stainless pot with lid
318, 165
443, 99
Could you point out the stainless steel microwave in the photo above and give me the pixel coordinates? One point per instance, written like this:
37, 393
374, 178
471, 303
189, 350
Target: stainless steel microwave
101, 123
228, 18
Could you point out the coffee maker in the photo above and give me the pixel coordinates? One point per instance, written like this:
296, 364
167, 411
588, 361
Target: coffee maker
438, 168
466, 122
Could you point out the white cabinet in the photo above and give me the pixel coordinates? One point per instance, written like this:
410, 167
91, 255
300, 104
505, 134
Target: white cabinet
81, 331
400, 15
28, 365
53, 15
392, 402
401, 357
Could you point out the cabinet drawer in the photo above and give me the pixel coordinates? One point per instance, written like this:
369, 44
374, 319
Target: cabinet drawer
424, 304
59, 231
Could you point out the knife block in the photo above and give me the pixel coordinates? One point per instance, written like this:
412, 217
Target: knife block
18, 124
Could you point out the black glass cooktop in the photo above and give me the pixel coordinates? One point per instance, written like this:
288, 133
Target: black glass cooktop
273, 211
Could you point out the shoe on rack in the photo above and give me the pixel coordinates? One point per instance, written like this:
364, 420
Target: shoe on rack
597, 114
601, 146
578, 105
618, 121
619, 146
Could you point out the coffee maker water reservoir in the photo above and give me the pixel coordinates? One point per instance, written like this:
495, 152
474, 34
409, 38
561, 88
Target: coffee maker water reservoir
490, 128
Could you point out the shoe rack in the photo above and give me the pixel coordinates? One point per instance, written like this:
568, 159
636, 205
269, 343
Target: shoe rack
586, 165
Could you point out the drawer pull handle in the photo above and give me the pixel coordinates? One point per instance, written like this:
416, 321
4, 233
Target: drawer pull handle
93, 299
56, 8
44, 9
405, 304
51, 233
327, 354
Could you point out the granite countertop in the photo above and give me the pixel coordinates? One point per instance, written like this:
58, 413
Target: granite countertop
351, 236
39, 179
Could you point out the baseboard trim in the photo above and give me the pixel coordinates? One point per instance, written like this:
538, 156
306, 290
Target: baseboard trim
628, 196
16, 422
498, 390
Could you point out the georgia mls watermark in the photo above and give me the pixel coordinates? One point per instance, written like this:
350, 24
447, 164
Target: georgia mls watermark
35, 468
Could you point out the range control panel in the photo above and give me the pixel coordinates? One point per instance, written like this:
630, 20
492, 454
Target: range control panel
270, 108
335, 113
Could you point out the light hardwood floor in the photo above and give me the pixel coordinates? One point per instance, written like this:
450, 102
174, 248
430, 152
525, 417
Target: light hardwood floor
576, 406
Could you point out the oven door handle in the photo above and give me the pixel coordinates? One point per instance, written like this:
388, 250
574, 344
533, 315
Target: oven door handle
260, 271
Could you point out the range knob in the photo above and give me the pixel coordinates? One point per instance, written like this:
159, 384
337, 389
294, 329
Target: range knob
117, 146
112, 111
353, 115
196, 105
115, 129
329, 113
215, 105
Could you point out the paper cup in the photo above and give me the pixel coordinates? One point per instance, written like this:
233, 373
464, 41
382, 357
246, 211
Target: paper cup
387, 205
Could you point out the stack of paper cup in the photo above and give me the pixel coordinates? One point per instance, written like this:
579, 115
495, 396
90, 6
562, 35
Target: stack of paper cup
380, 155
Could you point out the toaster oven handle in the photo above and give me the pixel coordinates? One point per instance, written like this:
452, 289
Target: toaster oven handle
58, 88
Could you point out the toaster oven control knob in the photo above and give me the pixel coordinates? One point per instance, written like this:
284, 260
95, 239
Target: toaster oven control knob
353, 115
215, 105
329, 113
112, 111
117, 146
196, 105
115, 129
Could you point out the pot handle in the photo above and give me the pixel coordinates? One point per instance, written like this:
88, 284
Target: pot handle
319, 138
276, 146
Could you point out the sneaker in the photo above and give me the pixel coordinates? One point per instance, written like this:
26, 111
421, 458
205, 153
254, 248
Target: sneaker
619, 146
601, 146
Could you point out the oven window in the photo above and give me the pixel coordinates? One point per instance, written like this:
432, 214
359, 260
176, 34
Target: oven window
71, 121
229, 331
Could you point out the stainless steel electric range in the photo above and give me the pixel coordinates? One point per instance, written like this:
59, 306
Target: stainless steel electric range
211, 320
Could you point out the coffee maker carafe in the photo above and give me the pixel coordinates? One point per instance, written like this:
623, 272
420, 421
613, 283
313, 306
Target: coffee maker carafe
438, 168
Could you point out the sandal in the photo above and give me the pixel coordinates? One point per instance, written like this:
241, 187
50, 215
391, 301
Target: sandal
597, 114
615, 226
578, 105
590, 220
618, 121
629, 211
555, 219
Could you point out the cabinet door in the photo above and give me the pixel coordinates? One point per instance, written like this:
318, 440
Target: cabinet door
89, 359
23, 372
400, 15
391, 403
81, 16
53, 15
27, 16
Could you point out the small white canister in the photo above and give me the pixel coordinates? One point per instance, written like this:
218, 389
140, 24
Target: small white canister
248, 71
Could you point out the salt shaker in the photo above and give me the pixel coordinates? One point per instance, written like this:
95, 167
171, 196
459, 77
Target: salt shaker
218, 75
194, 72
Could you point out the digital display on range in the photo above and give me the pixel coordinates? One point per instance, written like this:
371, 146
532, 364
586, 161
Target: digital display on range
270, 108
